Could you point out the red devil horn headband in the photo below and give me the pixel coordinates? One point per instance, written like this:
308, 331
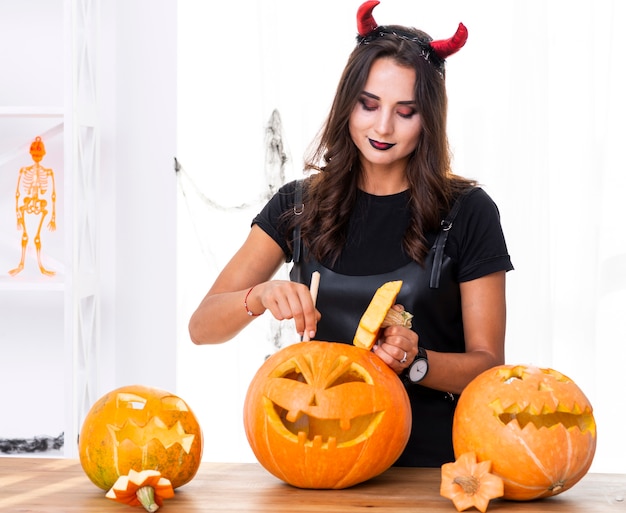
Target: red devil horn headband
366, 24
446, 47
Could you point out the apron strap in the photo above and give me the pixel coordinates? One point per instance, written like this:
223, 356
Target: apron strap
298, 207
442, 237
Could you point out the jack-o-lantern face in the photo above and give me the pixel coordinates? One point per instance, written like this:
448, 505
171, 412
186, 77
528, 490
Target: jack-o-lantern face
140, 428
326, 415
535, 425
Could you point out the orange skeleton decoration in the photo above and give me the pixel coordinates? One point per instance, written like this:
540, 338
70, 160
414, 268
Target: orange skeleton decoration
35, 182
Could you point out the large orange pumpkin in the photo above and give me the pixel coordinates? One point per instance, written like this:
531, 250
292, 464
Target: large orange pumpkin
535, 426
326, 415
140, 428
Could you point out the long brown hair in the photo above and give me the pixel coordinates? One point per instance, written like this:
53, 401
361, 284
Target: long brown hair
330, 193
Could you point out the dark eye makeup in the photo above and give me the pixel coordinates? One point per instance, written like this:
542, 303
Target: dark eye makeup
404, 111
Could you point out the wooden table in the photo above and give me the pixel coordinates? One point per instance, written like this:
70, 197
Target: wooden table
37, 485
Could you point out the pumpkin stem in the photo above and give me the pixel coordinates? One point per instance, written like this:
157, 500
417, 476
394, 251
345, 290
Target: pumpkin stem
556, 487
145, 494
470, 484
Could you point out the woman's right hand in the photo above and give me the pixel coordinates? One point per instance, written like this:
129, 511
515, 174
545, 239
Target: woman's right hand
222, 312
286, 300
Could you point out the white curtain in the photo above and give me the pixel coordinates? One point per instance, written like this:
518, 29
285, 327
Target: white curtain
536, 110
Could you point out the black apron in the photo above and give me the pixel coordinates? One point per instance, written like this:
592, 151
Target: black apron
432, 294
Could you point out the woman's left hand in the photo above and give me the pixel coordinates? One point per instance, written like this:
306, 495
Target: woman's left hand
397, 347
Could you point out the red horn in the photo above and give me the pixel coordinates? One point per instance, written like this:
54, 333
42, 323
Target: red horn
446, 47
365, 22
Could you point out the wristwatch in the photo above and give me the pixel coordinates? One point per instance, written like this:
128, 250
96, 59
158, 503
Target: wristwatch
419, 368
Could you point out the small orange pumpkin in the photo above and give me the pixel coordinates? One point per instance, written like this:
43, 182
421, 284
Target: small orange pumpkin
535, 426
326, 415
140, 428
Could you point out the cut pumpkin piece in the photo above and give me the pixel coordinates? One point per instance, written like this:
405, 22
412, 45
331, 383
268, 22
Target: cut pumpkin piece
146, 488
467, 482
375, 314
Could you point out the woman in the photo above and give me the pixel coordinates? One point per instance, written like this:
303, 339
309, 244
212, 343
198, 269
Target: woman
373, 212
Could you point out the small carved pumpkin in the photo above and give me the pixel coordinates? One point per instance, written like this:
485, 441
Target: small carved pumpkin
534, 425
326, 415
140, 428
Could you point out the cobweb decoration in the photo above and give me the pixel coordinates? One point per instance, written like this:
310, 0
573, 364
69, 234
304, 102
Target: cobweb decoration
38, 444
201, 206
276, 159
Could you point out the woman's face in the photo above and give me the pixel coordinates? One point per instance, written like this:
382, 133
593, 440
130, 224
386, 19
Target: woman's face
385, 124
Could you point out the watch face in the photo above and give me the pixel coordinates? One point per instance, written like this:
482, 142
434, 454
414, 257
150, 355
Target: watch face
418, 370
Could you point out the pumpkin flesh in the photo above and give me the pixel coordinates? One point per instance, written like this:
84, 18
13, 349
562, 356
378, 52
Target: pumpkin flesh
370, 324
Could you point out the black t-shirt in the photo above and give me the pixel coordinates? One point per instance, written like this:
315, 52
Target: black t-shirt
374, 253
376, 230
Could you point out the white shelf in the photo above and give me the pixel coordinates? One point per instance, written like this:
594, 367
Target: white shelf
36, 334
31, 111
53, 284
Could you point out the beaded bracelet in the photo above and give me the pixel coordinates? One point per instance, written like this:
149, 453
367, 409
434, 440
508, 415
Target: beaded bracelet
245, 304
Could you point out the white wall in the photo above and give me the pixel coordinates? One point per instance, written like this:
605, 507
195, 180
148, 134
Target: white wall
535, 115
138, 112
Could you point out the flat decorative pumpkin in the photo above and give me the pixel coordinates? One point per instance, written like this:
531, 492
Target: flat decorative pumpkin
326, 415
140, 428
468, 483
535, 426
146, 488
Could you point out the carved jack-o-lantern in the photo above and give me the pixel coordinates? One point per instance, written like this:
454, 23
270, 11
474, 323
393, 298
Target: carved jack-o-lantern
535, 426
140, 428
326, 415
